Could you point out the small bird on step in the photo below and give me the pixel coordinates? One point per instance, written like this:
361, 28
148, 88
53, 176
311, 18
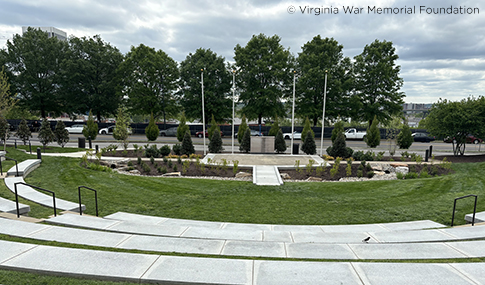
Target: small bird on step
366, 240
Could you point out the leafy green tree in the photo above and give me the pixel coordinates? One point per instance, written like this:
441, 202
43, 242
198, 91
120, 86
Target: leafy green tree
245, 145
121, 130
61, 134
309, 146
265, 76
338, 129
217, 85
279, 142
46, 136
35, 59
373, 136
150, 81
152, 131
455, 120
307, 128
7, 101
319, 57
213, 128
90, 130
215, 144
405, 138
187, 145
182, 128
242, 129
89, 79
23, 132
377, 83
4, 131
274, 128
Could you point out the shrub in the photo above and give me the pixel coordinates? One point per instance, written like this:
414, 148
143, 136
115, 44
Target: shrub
360, 173
152, 151
369, 156
242, 131
130, 163
245, 145
182, 128
399, 175
215, 144
139, 161
162, 170
373, 136
424, 174
145, 167
152, 160
175, 168
46, 135
338, 129
24, 133
307, 128
405, 138
411, 175
164, 150
121, 130
61, 134
279, 142
335, 167
339, 148
380, 155
370, 174
309, 146
348, 169
177, 149
152, 131
170, 164
275, 128
90, 130
187, 145
214, 128
358, 155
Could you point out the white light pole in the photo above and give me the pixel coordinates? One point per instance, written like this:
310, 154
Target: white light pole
233, 99
293, 113
203, 110
323, 116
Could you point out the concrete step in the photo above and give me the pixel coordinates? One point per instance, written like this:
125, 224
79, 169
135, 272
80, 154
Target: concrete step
267, 175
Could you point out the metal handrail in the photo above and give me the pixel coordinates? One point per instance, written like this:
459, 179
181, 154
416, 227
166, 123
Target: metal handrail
95, 198
474, 208
38, 188
16, 165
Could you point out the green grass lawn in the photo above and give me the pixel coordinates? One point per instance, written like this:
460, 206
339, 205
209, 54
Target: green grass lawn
236, 201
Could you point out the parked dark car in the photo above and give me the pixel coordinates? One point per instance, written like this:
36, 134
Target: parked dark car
423, 137
469, 139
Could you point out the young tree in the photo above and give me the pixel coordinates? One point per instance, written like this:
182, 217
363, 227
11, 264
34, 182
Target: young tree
214, 128
275, 128
215, 144
4, 131
152, 131
150, 80
242, 129
245, 145
23, 132
307, 128
309, 146
61, 134
319, 57
373, 136
405, 138
264, 76
187, 145
339, 147
182, 128
46, 136
338, 129
7, 101
217, 85
279, 142
121, 131
377, 83
90, 130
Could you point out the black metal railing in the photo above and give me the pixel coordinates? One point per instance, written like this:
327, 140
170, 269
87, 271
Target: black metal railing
16, 165
95, 198
474, 208
38, 188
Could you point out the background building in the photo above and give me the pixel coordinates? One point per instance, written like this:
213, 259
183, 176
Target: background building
51, 31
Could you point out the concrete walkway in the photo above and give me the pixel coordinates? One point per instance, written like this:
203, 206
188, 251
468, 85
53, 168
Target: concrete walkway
266, 175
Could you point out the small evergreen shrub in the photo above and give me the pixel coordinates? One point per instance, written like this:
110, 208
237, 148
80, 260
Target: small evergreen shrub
309, 146
373, 136
370, 174
215, 144
177, 149
405, 138
152, 131
245, 145
164, 150
279, 142
24, 133
152, 151
187, 145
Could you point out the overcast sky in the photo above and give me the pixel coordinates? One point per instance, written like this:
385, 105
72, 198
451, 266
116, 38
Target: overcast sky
441, 55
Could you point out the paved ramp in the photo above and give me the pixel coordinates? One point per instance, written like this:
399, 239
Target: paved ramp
266, 175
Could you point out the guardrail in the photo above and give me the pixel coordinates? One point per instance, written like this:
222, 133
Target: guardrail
16, 165
474, 208
38, 188
95, 198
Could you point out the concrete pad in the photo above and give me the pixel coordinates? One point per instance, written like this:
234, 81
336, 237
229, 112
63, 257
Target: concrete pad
200, 270
9, 249
82, 221
470, 248
79, 236
279, 236
146, 229
266, 175
479, 217
166, 244
319, 251
122, 216
412, 225
408, 273
412, 236
254, 249
297, 228
193, 223
473, 271
466, 232
329, 237
205, 233
291, 272
353, 228
247, 227
83, 263
9, 206
19, 228
405, 251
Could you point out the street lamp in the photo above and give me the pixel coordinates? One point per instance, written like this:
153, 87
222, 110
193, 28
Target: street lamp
293, 113
203, 111
323, 116
233, 99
